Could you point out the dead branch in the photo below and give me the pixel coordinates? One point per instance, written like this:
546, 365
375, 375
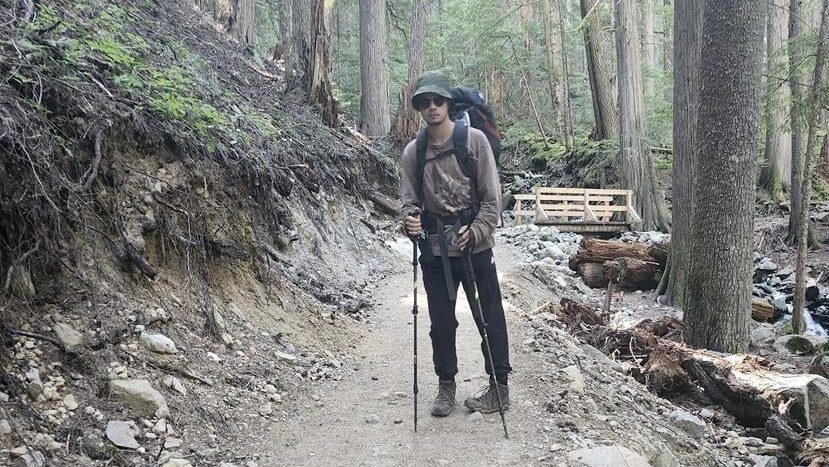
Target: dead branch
92, 173
179, 370
18, 261
41, 337
370, 226
779, 428
261, 72
130, 256
383, 203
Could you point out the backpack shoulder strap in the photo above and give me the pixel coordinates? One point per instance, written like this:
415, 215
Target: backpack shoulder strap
469, 166
420, 150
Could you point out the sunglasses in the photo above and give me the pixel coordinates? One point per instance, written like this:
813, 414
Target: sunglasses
421, 103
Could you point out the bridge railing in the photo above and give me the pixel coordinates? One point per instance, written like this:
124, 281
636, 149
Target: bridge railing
611, 208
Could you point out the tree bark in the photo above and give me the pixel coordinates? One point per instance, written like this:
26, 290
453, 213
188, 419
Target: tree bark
408, 120
649, 42
243, 21
593, 250
374, 69
776, 176
815, 99
633, 274
295, 76
668, 41
718, 308
552, 43
796, 56
688, 34
526, 18
318, 84
284, 49
637, 172
605, 111
565, 89
223, 13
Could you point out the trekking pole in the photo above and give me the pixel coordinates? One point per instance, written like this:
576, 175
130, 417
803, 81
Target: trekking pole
470, 276
414, 327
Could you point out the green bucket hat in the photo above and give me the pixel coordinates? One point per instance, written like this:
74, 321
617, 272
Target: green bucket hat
433, 82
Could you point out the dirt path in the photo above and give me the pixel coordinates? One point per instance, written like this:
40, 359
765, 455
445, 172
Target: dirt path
366, 419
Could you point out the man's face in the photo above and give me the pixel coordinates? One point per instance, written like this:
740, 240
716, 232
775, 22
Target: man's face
432, 107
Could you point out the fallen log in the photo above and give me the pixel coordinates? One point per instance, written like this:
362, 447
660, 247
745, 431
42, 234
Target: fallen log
593, 250
385, 205
593, 275
744, 384
786, 405
761, 310
632, 273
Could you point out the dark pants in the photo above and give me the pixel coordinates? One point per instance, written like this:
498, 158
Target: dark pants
444, 323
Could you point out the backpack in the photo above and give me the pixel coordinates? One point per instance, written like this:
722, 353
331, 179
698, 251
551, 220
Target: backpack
481, 116
469, 108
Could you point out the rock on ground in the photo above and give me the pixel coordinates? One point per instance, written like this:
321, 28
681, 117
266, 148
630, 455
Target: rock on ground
158, 343
140, 396
67, 335
690, 423
121, 434
608, 456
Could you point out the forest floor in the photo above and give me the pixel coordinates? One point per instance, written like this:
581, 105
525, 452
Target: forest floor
366, 418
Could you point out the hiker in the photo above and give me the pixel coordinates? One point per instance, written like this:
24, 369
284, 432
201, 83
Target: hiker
452, 205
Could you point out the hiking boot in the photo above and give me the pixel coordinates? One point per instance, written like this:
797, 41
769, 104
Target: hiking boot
486, 400
445, 401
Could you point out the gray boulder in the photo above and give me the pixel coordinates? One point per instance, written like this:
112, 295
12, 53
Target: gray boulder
689, 423
67, 335
158, 343
139, 395
121, 434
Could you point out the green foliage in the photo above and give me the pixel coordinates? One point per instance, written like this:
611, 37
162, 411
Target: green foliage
101, 34
663, 162
524, 142
595, 163
481, 43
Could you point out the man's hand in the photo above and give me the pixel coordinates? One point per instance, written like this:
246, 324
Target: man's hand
465, 238
412, 224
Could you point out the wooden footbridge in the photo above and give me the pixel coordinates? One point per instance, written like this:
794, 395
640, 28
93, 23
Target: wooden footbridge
582, 210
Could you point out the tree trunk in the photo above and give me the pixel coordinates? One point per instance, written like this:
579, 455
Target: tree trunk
223, 13
243, 21
776, 176
318, 84
284, 49
668, 43
688, 34
649, 42
718, 303
408, 120
496, 95
301, 46
637, 172
374, 69
667, 48
526, 21
815, 99
605, 111
565, 81
552, 43
796, 56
